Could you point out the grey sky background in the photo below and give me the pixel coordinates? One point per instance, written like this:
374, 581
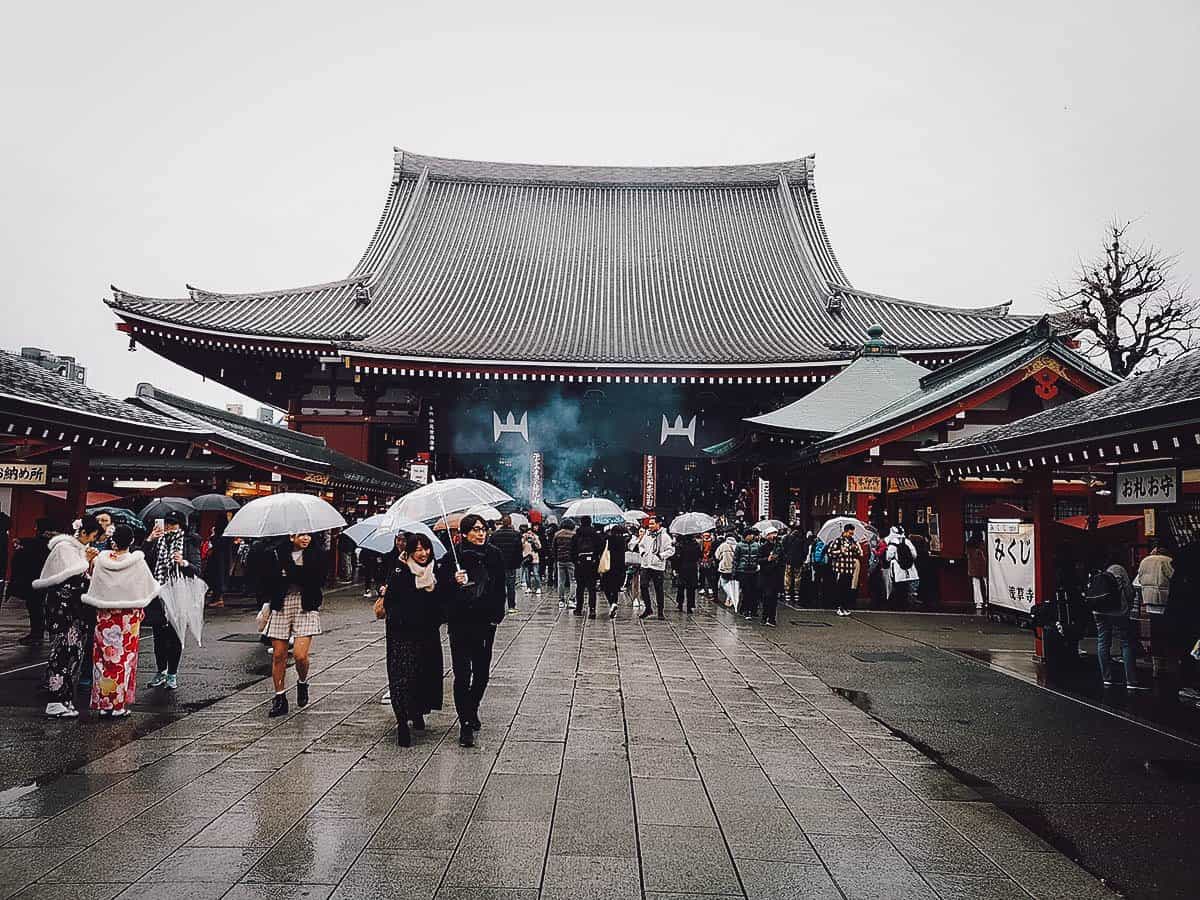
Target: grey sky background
966, 153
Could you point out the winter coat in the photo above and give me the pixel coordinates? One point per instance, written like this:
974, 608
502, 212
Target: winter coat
309, 578
27, 565
586, 547
895, 570
191, 552
530, 545
563, 539
655, 549
615, 576
795, 548
1154, 575
482, 602
508, 542
686, 561
977, 561
844, 553
725, 554
411, 612
1125, 587
124, 583
745, 558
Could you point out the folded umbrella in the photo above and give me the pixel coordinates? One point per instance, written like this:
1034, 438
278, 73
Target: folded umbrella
281, 514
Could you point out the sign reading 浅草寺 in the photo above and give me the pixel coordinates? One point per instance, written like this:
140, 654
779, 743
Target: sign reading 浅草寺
864, 484
23, 474
1147, 487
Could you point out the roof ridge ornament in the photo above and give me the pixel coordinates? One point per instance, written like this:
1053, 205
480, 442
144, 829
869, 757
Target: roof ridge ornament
876, 345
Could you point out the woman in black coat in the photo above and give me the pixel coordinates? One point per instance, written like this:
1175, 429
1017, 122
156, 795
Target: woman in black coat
687, 571
412, 600
615, 542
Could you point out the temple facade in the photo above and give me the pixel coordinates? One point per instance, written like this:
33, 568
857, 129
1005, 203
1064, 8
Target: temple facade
561, 328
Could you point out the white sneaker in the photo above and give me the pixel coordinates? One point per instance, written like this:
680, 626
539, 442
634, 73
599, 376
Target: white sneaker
612, 610
61, 711
386, 698
841, 611
119, 713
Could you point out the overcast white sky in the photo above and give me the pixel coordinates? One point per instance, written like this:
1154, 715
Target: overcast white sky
964, 155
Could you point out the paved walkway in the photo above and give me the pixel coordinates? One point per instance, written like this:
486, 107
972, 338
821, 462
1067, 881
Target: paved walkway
683, 758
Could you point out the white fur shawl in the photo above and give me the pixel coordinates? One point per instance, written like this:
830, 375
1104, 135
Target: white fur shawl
67, 559
124, 583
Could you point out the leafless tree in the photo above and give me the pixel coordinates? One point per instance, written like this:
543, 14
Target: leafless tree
1132, 310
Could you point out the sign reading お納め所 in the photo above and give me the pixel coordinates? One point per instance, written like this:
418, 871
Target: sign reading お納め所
23, 474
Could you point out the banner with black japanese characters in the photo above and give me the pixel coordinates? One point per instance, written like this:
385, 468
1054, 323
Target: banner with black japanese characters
1011, 570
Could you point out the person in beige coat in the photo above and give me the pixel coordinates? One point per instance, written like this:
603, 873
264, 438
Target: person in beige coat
1154, 577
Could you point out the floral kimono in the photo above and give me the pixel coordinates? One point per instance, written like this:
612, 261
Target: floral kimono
122, 586
64, 579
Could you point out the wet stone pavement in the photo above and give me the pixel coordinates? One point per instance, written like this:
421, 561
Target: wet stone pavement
669, 760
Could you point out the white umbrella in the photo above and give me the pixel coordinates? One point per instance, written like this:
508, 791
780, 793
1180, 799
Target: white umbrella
489, 513
281, 514
383, 538
768, 525
596, 507
360, 531
635, 516
833, 529
434, 500
519, 521
692, 523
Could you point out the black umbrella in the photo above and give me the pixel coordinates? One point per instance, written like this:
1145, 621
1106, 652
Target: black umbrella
159, 508
120, 516
214, 503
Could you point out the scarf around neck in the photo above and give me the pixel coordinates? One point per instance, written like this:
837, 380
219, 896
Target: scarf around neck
164, 563
425, 579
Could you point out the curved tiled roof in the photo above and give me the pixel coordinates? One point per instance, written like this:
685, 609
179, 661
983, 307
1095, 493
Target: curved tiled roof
509, 263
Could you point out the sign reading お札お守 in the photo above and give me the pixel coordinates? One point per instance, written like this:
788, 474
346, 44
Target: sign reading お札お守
23, 474
1147, 487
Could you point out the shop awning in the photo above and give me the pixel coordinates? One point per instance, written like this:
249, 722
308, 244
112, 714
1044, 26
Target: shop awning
1081, 522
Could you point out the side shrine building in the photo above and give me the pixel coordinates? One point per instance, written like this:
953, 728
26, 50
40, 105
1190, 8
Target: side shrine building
559, 328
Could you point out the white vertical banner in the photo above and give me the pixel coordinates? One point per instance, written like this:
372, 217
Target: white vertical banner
649, 481
537, 474
1011, 570
764, 499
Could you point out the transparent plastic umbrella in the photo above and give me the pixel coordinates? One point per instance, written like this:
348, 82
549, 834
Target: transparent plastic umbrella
833, 529
281, 514
489, 513
383, 536
692, 523
768, 525
596, 507
635, 516
438, 498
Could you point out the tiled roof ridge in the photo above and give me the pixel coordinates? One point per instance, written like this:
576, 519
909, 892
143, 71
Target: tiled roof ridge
194, 407
201, 295
410, 165
995, 311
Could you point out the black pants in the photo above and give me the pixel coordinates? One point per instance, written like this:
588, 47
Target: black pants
685, 591
585, 580
35, 603
770, 603
748, 605
652, 577
168, 649
845, 591
708, 579
471, 659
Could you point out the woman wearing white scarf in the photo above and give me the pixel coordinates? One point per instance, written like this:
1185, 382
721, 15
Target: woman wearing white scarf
63, 578
122, 586
413, 604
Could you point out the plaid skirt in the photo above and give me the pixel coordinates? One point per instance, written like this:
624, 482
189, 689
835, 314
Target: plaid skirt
293, 620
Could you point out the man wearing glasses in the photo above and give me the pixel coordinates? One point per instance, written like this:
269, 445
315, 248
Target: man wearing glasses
474, 607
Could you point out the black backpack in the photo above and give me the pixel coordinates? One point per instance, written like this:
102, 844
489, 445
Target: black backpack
1103, 593
904, 554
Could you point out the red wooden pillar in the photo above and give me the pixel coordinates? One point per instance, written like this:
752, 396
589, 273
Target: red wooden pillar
77, 481
1041, 508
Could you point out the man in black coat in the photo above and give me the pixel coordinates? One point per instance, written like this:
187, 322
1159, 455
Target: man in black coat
27, 564
586, 547
474, 607
507, 540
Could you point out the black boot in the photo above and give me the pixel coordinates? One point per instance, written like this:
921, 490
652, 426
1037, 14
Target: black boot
591, 612
418, 723
466, 738
302, 693
403, 738
279, 706
578, 610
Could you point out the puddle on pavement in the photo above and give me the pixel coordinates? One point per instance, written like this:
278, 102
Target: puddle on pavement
16, 793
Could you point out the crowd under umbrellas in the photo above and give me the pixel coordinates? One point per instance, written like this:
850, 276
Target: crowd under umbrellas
453, 552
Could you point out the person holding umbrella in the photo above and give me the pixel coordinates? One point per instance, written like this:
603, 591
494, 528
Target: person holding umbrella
475, 605
295, 601
172, 554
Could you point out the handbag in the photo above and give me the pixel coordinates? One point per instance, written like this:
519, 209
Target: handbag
605, 561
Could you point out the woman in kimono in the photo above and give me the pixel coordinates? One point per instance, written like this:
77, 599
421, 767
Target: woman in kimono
64, 579
121, 587
413, 606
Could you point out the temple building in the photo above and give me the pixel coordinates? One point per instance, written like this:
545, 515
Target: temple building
559, 328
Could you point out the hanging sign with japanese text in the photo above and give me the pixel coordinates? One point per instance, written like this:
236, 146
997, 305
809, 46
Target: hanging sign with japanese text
1146, 487
864, 484
418, 473
649, 481
537, 477
1011, 571
22, 474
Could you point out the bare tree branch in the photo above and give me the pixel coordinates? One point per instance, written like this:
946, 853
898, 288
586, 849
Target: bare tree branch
1130, 310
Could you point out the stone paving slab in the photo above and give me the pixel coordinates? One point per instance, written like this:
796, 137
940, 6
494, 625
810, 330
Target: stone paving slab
658, 760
